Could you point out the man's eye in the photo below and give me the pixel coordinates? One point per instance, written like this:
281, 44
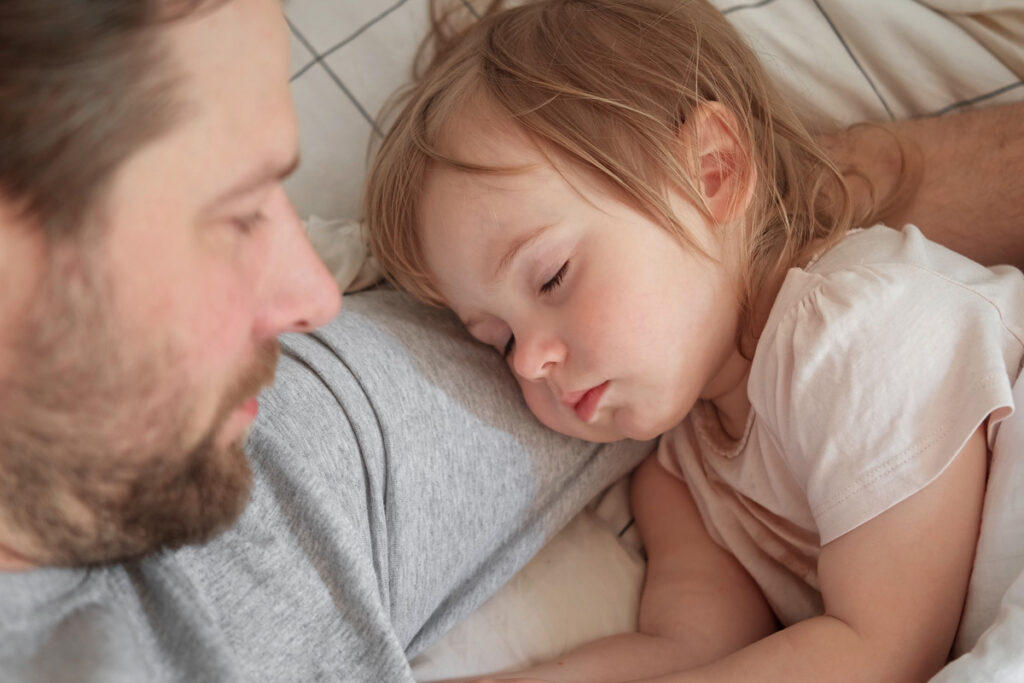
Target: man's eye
247, 224
556, 280
509, 345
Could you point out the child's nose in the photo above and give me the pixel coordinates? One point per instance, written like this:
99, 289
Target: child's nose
536, 354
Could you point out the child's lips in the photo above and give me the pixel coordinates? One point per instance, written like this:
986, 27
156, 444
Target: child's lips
587, 402
573, 397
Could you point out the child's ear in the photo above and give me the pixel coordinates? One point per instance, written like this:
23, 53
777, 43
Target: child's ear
725, 170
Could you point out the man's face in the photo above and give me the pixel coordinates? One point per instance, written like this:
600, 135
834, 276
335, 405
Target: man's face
128, 375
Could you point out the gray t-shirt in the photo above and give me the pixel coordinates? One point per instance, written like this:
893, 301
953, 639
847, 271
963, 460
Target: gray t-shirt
398, 481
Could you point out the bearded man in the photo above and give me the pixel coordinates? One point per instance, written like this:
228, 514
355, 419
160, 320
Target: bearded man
149, 261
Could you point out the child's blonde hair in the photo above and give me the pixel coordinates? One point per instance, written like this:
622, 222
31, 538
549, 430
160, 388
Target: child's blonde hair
605, 85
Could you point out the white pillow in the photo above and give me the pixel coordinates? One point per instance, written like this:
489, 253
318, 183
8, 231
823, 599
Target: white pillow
842, 61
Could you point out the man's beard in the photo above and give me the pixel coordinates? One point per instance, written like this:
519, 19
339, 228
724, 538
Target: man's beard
93, 463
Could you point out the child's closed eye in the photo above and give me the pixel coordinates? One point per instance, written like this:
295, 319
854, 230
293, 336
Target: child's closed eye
556, 280
546, 288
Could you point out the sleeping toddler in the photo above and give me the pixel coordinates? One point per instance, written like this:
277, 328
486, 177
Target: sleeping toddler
612, 195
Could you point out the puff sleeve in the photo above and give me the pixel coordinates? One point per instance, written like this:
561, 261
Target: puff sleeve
873, 377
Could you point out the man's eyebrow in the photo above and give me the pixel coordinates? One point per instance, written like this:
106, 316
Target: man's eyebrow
518, 246
264, 174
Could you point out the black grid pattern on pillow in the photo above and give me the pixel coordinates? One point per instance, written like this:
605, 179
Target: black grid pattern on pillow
348, 57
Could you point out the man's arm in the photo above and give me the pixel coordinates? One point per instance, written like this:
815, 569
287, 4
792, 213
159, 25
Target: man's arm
971, 195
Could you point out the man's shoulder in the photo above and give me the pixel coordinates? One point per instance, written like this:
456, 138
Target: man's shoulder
72, 624
121, 622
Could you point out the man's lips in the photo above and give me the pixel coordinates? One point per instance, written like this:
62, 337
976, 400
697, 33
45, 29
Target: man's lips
238, 420
585, 402
250, 407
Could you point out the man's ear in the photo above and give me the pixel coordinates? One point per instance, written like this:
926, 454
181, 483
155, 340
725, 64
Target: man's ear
726, 174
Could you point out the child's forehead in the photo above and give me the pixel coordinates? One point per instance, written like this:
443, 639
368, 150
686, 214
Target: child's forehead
484, 137
486, 200
488, 158
523, 175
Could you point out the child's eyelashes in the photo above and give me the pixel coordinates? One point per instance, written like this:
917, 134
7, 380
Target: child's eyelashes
556, 280
546, 288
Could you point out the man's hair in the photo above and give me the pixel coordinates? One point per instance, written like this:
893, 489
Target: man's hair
83, 83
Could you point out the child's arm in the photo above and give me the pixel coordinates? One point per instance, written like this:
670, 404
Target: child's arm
893, 590
696, 593
698, 604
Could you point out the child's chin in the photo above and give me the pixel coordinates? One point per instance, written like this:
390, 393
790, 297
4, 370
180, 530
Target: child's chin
638, 430
592, 433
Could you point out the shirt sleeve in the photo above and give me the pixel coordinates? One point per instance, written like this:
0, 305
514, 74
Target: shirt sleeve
872, 380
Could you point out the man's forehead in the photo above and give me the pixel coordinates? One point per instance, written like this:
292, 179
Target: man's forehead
233, 64
237, 120
239, 46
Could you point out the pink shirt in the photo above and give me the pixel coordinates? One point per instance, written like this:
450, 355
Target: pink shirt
877, 363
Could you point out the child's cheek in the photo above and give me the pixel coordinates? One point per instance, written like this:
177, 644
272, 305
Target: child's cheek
545, 406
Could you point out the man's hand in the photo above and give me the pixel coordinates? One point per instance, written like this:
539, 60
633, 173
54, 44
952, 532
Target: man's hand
971, 191
873, 159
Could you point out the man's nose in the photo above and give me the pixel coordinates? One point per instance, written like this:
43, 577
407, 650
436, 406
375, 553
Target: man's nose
537, 353
300, 294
